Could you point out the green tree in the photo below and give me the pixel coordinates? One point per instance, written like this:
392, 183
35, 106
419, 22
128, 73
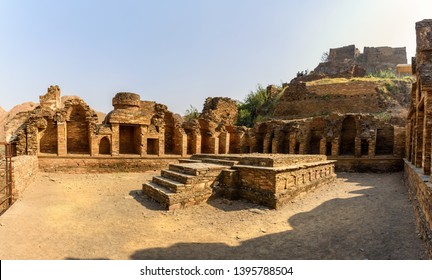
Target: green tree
191, 113
256, 103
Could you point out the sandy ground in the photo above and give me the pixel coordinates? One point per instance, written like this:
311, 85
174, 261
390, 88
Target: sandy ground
105, 216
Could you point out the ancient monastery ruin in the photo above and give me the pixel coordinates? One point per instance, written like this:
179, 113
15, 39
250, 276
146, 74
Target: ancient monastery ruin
332, 119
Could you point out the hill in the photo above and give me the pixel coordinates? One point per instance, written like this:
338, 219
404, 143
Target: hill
14, 118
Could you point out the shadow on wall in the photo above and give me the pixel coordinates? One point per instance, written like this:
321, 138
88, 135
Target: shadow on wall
367, 226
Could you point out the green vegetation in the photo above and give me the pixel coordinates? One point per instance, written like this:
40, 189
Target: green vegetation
257, 106
191, 114
327, 81
385, 74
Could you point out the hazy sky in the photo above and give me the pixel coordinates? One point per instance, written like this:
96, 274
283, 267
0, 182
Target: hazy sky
180, 52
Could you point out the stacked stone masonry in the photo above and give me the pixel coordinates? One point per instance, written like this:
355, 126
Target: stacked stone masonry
270, 180
419, 133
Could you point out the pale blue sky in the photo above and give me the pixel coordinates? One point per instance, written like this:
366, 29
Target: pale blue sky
180, 52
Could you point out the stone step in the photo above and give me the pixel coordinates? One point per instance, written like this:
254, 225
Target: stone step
197, 169
179, 177
220, 161
158, 193
172, 185
182, 160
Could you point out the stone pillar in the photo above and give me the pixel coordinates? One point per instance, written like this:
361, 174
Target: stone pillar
335, 147
399, 145
161, 141
419, 139
115, 144
143, 151
94, 145
183, 144
371, 147
357, 147
161, 144
413, 141
427, 130
302, 149
196, 144
224, 143
292, 142
61, 139
323, 146
408, 140
277, 141
214, 145
267, 143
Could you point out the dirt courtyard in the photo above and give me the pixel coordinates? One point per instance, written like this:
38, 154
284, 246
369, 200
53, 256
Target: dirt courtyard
105, 216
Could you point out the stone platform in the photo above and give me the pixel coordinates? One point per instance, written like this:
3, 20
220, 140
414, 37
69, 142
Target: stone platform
267, 179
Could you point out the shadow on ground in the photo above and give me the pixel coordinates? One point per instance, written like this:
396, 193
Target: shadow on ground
374, 224
146, 201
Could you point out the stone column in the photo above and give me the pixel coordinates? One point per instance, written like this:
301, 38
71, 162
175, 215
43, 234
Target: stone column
408, 140
302, 149
214, 145
61, 139
278, 141
267, 143
335, 147
371, 147
413, 141
94, 145
427, 130
224, 142
115, 144
196, 144
292, 142
357, 147
323, 146
419, 139
161, 144
183, 144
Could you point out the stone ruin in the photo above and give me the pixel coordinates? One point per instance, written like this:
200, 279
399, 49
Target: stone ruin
418, 137
270, 180
349, 62
209, 156
133, 128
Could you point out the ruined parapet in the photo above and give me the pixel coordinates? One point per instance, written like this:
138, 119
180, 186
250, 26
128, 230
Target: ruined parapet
126, 100
348, 62
343, 54
51, 100
376, 59
220, 110
424, 53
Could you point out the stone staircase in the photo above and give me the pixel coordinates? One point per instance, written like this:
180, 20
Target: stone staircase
187, 183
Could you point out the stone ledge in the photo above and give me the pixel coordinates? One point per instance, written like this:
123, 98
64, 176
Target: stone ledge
420, 192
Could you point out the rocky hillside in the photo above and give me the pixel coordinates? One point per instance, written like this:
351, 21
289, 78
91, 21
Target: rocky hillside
11, 120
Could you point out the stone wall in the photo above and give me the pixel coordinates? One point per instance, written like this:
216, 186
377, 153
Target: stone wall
383, 58
307, 99
342, 54
274, 187
420, 191
72, 164
24, 169
380, 164
418, 163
